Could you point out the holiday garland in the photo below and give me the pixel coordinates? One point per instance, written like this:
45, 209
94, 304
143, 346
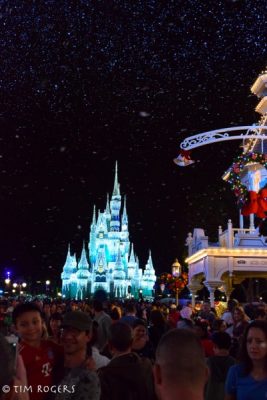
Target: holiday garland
172, 282
240, 190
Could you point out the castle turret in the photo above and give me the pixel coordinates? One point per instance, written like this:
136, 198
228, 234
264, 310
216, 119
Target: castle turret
124, 219
92, 238
82, 275
115, 204
119, 277
149, 277
131, 263
70, 268
108, 213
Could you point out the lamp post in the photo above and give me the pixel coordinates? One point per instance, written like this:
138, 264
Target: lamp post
47, 286
20, 286
176, 272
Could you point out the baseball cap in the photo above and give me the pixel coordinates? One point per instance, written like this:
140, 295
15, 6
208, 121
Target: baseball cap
77, 320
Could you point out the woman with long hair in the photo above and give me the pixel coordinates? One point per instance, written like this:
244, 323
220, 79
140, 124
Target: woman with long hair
248, 379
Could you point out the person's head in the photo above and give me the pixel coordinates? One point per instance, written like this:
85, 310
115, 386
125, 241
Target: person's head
157, 318
76, 332
239, 314
219, 325
130, 309
59, 309
206, 307
201, 329
254, 345
139, 329
97, 305
221, 341
120, 338
186, 313
231, 304
28, 321
114, 314
180, 368
260, 314
46, 308
55, 322
7, 370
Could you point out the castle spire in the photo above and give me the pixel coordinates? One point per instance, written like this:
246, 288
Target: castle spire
69, 255
132, 258
94, 217
116, 189
124, 217
107, 211
115, 204
124, 213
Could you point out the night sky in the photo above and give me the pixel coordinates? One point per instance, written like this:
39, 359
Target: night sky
85, 83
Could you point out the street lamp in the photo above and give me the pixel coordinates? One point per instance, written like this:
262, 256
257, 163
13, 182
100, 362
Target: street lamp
20, 285
47, 284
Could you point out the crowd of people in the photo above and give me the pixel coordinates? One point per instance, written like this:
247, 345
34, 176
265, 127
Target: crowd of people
80, 350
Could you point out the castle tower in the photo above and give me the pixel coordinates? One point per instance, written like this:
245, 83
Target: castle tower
82, 275
115, 204
149, 278
69, 269
92, 239
119, 277
131, 264
108, 213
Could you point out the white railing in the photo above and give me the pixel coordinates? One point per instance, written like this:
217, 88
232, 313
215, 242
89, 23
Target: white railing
225, 134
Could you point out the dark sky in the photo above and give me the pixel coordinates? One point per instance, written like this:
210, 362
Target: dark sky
85, 83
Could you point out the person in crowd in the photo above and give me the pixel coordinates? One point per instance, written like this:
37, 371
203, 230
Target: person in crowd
180, 370
46, 313
201, 329
260, 314
185, 321
99, 359
127, 376
53, 308
240, 322
218, 325
219, 365
228, 315
130, 314
80, 381
54, 327
104, 321
206, 313
9, 383
173, 316
158, 326
239, 325
41, 358
248, 379
114, 315
141, 344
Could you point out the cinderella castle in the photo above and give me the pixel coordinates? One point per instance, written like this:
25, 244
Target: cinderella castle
112, 265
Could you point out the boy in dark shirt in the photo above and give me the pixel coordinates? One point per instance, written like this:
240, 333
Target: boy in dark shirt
219, 365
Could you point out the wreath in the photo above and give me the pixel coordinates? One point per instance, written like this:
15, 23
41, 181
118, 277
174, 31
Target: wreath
240, 190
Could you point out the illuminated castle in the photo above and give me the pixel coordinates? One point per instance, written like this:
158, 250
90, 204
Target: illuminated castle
112, 264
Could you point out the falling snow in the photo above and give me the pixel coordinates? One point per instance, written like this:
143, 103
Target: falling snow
85, 83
